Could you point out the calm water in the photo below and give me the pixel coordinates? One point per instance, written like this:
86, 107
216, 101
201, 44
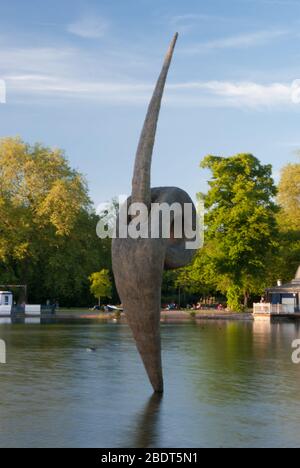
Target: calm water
227, 384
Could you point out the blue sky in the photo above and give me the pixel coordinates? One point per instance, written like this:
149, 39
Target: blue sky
79, 75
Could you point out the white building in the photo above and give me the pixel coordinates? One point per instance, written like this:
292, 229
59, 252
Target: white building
6, 302
6, 306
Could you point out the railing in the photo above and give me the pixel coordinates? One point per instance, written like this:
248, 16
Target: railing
268, 309
262, 308
283, 309
5, 310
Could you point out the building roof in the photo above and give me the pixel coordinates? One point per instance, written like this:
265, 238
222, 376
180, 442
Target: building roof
292, 287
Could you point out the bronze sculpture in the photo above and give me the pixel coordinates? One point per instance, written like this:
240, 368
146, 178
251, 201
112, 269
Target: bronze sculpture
138, 263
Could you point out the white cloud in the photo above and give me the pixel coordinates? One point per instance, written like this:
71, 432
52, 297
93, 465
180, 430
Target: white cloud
187, 20
191, 94
237, 42
248, 94
89, 27
191, 16
190, 21
65, 73
71, 62
60, 87
36, 60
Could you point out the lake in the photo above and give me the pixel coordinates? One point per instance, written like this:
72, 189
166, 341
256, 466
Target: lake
226, 384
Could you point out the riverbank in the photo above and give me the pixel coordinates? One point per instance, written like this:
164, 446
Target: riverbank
166, 315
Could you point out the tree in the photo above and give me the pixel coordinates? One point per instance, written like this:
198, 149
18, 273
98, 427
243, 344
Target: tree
101, 285
240, 225
199, 277
288, 258
289, 197
48, 227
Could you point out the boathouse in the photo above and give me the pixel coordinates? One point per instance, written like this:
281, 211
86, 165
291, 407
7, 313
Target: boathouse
6, 302
285, 297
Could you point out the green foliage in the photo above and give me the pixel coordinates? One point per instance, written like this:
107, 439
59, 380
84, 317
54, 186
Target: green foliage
289, 197
198, 277
240, 229
288, 258
234, 294
48, 235
169, 290
241, 224
101, 285
250, 242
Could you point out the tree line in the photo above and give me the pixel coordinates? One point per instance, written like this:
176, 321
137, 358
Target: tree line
252, 230
48, 230
48, 225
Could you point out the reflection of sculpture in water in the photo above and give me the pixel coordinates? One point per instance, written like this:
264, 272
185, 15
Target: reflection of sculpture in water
146, 430
138, 264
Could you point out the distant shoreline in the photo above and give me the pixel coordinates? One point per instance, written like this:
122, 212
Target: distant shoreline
166, 315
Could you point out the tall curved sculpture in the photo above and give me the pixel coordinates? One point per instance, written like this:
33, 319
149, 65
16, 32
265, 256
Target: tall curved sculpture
138, 263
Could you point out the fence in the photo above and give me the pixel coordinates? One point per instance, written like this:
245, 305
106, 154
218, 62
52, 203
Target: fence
268, 309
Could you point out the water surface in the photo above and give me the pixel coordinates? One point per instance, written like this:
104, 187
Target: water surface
227, 384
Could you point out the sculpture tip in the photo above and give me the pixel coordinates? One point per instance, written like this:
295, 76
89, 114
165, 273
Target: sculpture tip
172, 46
141, 181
